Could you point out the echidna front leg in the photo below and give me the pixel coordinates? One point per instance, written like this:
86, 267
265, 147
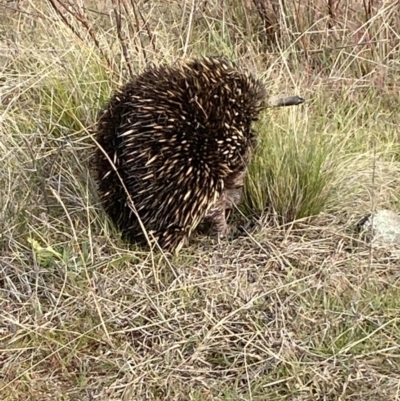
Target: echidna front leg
233, 197
216, 216
229, 199
234, 189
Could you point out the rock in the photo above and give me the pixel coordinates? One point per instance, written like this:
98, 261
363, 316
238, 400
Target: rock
382, 227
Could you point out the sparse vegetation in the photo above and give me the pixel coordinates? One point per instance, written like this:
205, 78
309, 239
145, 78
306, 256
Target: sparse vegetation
297, 307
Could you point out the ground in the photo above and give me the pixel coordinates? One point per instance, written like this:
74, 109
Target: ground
296, 306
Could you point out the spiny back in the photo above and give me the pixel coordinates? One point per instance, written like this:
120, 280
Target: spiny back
175, 133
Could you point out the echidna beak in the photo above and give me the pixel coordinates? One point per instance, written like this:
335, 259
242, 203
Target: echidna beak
285, 101
294, 100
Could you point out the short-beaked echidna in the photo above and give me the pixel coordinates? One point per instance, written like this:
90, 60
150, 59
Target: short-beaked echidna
173, 146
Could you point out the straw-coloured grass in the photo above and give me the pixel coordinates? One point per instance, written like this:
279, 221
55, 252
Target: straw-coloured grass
296, 306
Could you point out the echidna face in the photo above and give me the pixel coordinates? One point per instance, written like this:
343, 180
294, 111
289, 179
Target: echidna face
175, 135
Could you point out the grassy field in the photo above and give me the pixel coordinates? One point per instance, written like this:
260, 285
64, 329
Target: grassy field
296, 307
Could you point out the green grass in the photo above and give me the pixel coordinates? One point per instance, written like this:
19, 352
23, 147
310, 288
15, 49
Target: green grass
293, 171
296, 308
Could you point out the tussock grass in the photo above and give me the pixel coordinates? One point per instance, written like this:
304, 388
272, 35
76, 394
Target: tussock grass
293, 171
297, 307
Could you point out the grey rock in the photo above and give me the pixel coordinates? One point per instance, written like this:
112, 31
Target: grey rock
381, 227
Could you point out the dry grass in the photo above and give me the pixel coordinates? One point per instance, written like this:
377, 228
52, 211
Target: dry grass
280, 314
302, 310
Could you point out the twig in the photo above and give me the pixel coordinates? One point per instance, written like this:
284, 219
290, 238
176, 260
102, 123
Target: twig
372, 204
80, 17
121, 38
146, 26
271, 30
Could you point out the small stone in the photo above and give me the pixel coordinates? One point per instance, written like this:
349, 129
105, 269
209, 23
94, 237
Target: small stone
382, 227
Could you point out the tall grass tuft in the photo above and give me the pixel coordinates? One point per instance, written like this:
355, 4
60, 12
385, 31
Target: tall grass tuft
293, 171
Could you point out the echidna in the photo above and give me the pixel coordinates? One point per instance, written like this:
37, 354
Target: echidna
174, 146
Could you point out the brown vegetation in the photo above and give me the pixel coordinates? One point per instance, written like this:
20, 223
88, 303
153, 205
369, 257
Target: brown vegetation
296, 307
